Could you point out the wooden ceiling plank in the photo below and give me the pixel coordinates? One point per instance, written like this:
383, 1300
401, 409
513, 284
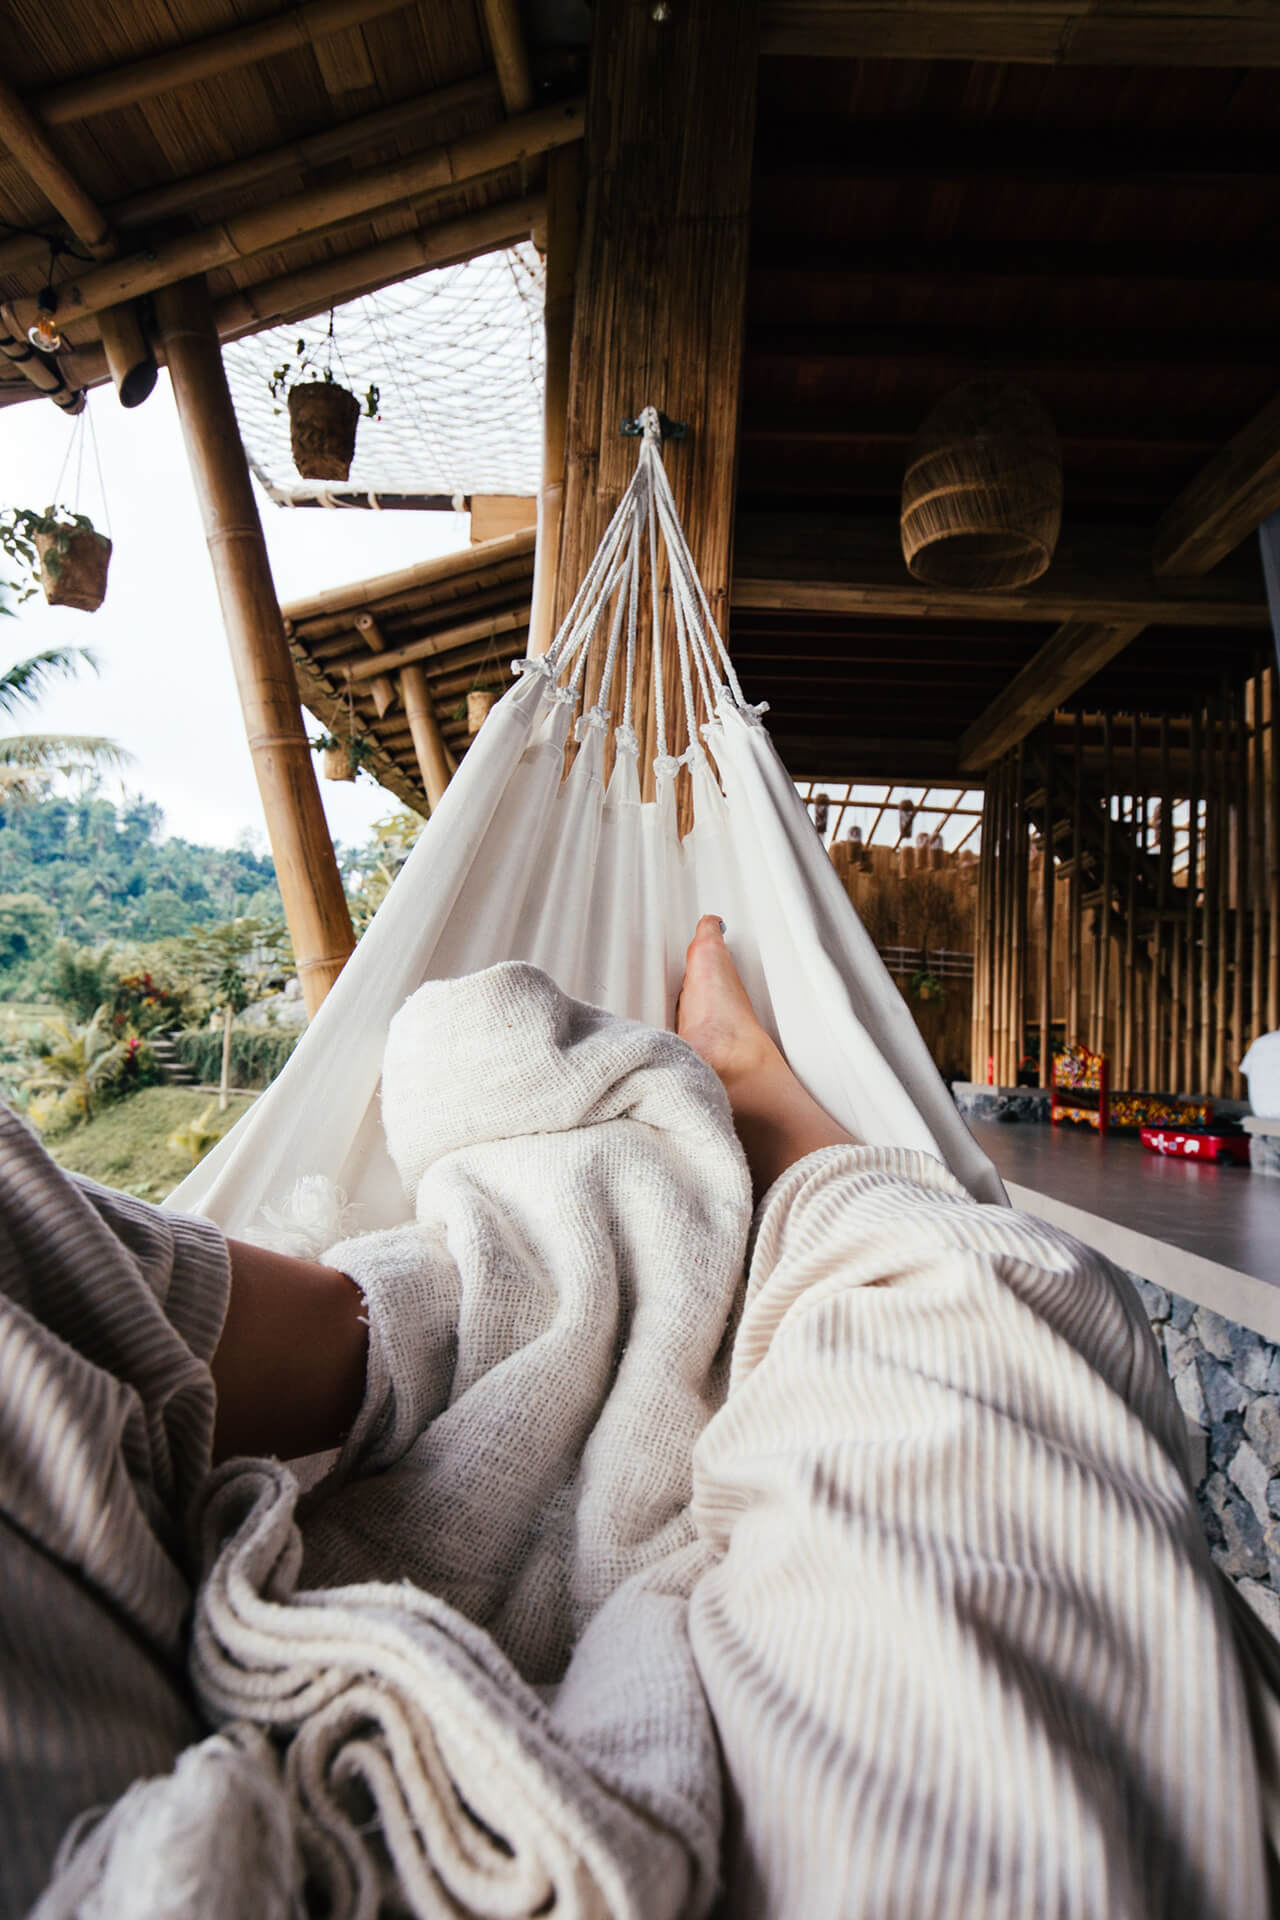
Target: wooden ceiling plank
322, 209
296, 26
1078, 650
1226, 502
1074, 32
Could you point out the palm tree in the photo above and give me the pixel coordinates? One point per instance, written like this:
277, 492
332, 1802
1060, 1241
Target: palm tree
27, 759
77, 1062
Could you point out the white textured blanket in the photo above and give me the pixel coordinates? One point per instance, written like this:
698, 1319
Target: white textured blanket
547, 1341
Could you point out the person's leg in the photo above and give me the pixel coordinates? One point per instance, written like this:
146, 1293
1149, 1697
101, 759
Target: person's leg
778, 1123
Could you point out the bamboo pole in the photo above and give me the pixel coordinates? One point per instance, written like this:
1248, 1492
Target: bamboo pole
1131, 910
1075, 898
510, 56
1104, 983
1000, 1021
564, 186
298, 216
442, 642
1160, 959
989, 834
1021, 877
1046, 914
26, 139
1241, 878
435, 762
45, 375
514, 552
299, 26
383, 691
1223, 891
1258, 848
1193, 892
1273, 838
310, 885
1208, 890
131, 360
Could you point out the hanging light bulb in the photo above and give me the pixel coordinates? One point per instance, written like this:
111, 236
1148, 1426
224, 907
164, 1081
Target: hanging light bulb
43, 331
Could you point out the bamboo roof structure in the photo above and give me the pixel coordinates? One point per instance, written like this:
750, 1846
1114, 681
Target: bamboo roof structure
1081, 197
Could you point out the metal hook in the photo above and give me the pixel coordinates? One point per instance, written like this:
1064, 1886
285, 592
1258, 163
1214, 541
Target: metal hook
669, 429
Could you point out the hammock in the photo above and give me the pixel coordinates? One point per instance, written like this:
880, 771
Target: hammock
522, 862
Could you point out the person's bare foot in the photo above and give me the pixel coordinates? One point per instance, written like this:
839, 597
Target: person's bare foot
777, 1121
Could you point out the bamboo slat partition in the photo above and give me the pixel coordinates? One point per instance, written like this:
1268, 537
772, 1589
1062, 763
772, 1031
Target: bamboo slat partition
1167, 847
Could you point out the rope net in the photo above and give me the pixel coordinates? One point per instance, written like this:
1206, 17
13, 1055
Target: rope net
456, 358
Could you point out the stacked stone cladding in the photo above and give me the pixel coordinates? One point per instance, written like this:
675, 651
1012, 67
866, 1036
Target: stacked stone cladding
1227, 1380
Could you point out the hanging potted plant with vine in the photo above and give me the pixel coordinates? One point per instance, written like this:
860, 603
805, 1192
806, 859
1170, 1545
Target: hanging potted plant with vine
341, 757
323, 413
61, 551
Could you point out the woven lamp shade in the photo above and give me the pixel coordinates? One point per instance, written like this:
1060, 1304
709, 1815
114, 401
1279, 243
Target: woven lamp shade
982, 496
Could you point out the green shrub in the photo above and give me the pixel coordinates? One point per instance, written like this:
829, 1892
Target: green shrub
256, 1055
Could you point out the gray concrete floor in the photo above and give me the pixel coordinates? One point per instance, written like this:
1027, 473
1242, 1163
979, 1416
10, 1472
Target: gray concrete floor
1227, 1214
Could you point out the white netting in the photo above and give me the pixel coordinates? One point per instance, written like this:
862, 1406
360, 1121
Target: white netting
457, 357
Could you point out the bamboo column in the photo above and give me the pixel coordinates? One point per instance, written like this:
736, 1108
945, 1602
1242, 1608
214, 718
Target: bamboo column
1130, 917
1161, 959
1223, 1003
1241, 881
1074, 906
1104, 941
1272, 763
1046, 914
424, 728
1258, 849
310, 886
661, 286
1021, 877
1189, 927
564, 186
1208, 889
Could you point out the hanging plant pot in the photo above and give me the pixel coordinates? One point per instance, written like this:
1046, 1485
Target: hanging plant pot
73, 567
339, 763
478, 704
322, 429
982, 496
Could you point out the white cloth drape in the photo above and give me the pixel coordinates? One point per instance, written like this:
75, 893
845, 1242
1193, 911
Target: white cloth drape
599, 890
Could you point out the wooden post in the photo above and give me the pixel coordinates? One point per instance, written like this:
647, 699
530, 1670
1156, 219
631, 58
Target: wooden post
1193, 891
428, 741
1077, 886
310, 885
1258, 847
1240, 784
1161, 958
1273, 837
1208, 890
564, 188
1046, 915
661, 287
1104, 978
1130, 917
1222, 905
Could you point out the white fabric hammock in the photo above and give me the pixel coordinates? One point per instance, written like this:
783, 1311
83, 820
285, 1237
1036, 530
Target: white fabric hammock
599, 890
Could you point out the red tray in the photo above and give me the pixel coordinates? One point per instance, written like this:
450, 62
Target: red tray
1216, 1147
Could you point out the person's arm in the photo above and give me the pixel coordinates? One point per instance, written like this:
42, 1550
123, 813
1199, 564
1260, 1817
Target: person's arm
289, 1368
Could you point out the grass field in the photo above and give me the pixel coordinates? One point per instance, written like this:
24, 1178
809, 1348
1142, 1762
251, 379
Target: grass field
127, 1145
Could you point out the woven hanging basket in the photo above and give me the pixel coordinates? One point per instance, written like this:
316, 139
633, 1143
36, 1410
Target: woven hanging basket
982, 497
322, 429
73, 567
479, 702
339, 763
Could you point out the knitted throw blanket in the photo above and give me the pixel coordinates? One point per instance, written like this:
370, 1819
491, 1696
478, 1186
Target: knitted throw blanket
471, 1643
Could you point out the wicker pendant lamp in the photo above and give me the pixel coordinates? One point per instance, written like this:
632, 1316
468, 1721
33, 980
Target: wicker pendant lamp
982, 496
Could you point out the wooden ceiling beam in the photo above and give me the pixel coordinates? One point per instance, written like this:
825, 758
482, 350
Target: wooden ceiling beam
1014, 349
446, 166
812, 563
424, 578
443, 641
1140, 33
122, 86
26, 139
1226, 502
510, 55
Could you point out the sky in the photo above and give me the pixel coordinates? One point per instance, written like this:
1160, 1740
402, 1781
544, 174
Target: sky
166, 690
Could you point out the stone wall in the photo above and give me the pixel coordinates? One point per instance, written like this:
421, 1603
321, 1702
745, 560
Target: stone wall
1227, 1380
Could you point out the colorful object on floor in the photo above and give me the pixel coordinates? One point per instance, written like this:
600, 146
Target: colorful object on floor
1134, 1111
1079, 1088
1181, 1144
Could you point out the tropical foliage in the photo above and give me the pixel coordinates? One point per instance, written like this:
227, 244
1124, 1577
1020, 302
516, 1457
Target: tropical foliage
78, 1066
28, 760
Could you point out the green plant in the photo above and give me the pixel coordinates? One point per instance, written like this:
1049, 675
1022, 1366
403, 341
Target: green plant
28, 759
358, 750
303, 367
373, 868
928, 986
257, 1054
19, 527
81, 1065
